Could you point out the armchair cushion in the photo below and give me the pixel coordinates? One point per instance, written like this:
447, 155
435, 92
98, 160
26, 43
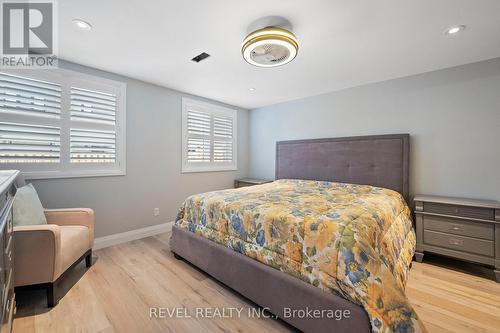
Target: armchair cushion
27, 208
75, 241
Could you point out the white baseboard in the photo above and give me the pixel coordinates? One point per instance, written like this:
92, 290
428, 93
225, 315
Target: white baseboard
123, 237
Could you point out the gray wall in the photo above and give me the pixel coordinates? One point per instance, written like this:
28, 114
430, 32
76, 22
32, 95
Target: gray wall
452, 115
154, 178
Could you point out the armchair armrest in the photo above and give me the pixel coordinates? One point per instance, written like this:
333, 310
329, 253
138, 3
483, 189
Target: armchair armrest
37, 249
72, 216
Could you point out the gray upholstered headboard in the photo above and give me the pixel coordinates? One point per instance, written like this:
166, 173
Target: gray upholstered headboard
378, 160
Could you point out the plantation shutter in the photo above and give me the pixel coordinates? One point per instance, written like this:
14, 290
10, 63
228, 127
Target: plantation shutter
223, 139
198, 142
92, 146
27, 139
94, 140
208, 137
23, 143
25, 96
93, 106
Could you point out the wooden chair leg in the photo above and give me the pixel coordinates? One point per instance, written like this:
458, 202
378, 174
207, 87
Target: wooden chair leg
51, 295
88, 259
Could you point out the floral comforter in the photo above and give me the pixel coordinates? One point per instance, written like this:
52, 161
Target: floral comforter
353, 240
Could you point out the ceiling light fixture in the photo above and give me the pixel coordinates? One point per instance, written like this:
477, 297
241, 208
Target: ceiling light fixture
252, 89
455, 29
270, 47
82, 24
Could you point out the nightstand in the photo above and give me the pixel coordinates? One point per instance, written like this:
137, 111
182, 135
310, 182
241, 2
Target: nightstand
249, 182
460, 228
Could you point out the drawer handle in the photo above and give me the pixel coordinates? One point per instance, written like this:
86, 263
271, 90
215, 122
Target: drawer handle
456, 228
457, 242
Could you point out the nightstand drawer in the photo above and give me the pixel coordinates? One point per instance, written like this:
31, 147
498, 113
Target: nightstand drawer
459, 243
464, 211
458, 227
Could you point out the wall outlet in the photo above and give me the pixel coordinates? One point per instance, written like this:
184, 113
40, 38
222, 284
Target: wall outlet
156, 211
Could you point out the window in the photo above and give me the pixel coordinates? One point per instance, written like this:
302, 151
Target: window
208, 137
60, 123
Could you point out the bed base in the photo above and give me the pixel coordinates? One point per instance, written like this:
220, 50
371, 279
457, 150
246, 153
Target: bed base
268, 287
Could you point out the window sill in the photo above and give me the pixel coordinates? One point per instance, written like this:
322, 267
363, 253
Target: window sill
76, 174
208, 169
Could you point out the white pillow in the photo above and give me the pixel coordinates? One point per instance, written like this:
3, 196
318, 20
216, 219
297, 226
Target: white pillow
28, 209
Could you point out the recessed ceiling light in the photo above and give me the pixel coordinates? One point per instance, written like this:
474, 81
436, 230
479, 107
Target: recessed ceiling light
270, 47
252, 89
455, 29
82, 24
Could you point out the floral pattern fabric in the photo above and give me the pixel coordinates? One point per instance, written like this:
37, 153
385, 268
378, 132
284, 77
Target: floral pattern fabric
353, 240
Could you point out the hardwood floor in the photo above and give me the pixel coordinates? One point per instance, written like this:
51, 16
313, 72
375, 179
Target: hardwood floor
116, 293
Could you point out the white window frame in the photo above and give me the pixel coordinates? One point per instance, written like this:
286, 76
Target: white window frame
66, 169
213, 110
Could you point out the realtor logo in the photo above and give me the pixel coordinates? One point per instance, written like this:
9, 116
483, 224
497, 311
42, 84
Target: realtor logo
28, 30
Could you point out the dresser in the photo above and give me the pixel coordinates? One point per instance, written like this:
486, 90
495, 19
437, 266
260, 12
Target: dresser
7, 192
249, 182
460, 228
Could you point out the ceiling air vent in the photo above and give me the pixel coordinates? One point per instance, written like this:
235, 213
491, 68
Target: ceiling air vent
200, 57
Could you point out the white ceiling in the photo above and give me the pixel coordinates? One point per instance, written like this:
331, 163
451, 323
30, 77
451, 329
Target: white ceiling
342, 43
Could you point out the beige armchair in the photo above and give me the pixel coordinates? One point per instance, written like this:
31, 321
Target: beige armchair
44, 252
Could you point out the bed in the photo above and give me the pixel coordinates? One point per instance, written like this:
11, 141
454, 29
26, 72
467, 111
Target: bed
333, 233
